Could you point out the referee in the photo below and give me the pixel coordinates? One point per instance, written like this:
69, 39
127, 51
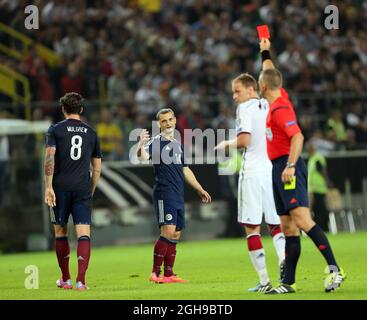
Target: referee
284, 144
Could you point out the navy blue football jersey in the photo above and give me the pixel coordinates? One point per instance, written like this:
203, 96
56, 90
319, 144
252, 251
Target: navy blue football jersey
168, 160
76, 144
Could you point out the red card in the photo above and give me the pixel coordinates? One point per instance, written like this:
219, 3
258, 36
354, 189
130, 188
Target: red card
263, 31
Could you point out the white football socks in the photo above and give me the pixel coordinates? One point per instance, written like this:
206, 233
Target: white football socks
279, 244
259, 263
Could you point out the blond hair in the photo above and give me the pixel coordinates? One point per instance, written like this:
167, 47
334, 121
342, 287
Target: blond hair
247, 80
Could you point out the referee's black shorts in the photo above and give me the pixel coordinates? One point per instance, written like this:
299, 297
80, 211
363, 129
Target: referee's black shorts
293, 195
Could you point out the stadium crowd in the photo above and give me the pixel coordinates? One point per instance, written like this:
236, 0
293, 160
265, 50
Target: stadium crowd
153, 53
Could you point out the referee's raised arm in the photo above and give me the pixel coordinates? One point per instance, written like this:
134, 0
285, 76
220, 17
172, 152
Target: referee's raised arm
267, 63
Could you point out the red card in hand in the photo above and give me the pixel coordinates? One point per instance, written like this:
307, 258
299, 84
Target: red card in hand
263, 31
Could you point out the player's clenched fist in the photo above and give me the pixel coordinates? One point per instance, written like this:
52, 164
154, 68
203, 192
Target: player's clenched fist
144, 137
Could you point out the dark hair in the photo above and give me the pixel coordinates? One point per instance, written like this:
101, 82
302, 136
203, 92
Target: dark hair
72, 103
164, 111
272, 78
247, 80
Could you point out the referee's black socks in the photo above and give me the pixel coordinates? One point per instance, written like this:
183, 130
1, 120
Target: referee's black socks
322, 243
292, 253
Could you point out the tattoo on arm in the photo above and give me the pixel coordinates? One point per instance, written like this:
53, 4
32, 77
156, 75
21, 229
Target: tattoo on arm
50, 161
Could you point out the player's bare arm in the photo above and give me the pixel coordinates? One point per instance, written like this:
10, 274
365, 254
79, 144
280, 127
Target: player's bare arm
49, 165
141, 152
96, 172
264, 49
192, 181
243, 140
295, 152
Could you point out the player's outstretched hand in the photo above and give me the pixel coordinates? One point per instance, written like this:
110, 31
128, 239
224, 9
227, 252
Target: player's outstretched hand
144, 137
221, 146
205, 196
50, 197
264, 44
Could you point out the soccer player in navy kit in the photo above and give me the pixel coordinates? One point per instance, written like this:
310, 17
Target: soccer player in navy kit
72, 146
170, 171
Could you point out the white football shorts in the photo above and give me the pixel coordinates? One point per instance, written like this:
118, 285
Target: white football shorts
255, 199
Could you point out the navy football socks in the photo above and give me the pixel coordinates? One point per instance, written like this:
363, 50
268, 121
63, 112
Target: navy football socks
322, 243
292, 253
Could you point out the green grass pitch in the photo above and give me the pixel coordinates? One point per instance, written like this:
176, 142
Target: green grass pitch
217, 270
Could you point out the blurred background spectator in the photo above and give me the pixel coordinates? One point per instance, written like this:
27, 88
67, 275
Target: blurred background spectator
318, 185
335, 130
110, 136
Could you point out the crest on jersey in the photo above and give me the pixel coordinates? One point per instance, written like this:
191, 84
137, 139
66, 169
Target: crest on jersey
269, 134
168, 217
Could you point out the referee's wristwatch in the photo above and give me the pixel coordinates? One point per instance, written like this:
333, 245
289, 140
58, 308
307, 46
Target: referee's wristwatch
290, 165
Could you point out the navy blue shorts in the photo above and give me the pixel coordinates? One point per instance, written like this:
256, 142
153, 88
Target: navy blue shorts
169, 212
76, 203
289, 196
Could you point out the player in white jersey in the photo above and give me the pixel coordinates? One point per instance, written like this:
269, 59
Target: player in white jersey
255, 189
